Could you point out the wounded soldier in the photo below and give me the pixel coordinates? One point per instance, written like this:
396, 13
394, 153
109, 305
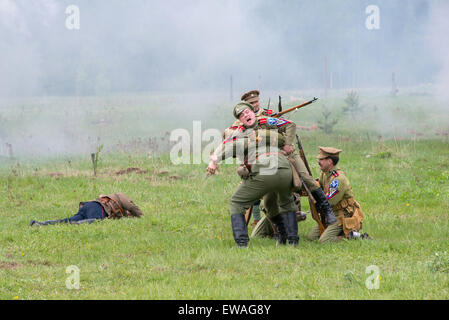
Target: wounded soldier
113, 206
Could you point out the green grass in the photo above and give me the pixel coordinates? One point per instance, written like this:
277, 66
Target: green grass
182, 248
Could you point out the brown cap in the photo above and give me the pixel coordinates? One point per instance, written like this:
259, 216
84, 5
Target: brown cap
326, 152
251, 96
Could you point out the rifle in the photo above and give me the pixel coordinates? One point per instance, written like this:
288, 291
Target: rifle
248, 215
280, 113
318, 218
280, 105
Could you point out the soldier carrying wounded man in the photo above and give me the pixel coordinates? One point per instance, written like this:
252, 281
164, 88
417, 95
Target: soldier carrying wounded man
266, 172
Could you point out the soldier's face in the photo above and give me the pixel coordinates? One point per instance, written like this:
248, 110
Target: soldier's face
247, 117
256, 105
325, 164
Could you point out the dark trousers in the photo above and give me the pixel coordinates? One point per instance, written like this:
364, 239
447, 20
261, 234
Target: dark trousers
90, 210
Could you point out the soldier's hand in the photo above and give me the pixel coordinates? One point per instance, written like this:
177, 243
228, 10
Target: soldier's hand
288, 149
212, 168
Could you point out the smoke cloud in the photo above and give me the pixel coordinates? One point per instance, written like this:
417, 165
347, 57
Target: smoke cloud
152, 54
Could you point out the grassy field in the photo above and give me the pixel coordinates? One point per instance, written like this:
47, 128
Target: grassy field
182, 248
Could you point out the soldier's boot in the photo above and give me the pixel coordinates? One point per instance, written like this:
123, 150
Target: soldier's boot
279, 223
239, 230
44, 223
291, 223
324, 206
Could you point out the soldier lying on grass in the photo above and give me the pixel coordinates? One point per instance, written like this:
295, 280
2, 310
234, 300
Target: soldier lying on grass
112, 206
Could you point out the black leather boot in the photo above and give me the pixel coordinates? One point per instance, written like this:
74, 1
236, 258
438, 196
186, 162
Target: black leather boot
279, 223
291, 223
239, 230
323, 206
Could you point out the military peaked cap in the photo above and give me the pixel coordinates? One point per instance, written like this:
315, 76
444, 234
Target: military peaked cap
239, 107
326, 152
251, 96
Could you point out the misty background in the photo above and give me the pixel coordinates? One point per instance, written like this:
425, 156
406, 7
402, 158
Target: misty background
203, 54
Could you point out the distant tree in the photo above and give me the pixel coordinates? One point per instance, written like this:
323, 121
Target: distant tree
352, 105
327, 124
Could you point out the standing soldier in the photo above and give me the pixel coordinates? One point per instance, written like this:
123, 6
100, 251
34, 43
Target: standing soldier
339, 194
263, 173
252, 97
288, 130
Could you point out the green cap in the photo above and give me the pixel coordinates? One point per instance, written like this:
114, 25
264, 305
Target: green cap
239, 107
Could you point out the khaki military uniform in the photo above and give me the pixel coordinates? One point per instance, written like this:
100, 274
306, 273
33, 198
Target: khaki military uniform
265, 228
267, 174
261, 149
287, 130
276, 187
338, 190
118, 206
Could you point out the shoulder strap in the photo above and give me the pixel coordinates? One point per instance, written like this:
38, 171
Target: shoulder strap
118, 205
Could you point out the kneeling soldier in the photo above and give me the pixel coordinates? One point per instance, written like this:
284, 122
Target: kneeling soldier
338, 191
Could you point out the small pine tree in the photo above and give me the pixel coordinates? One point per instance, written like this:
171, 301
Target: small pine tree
352, 104
327, 124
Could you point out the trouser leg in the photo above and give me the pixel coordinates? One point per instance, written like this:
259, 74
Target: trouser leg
247, 193
314, 234
48, 222
309, 181
331, 233
271, 204
84, 221
257, 186
285, 221
262, 229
